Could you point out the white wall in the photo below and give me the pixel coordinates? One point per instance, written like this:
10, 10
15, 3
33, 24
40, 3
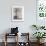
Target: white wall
29, 15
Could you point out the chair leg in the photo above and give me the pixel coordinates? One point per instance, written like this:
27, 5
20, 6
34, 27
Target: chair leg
17, 41
5, 40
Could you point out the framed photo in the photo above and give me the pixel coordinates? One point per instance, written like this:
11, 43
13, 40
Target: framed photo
17, 13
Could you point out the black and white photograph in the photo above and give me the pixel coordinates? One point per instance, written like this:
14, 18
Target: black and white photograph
18, 13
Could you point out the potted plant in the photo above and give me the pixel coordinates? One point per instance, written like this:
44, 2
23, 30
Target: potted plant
39, 35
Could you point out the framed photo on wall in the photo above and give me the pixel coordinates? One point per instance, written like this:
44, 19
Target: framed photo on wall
17, 13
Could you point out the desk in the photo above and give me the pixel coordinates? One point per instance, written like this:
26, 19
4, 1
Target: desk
17, 43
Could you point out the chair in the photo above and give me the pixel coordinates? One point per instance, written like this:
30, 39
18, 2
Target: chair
7, 35
14, 32
25, 36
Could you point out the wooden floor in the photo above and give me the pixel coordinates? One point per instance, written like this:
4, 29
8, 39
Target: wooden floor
13, 44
